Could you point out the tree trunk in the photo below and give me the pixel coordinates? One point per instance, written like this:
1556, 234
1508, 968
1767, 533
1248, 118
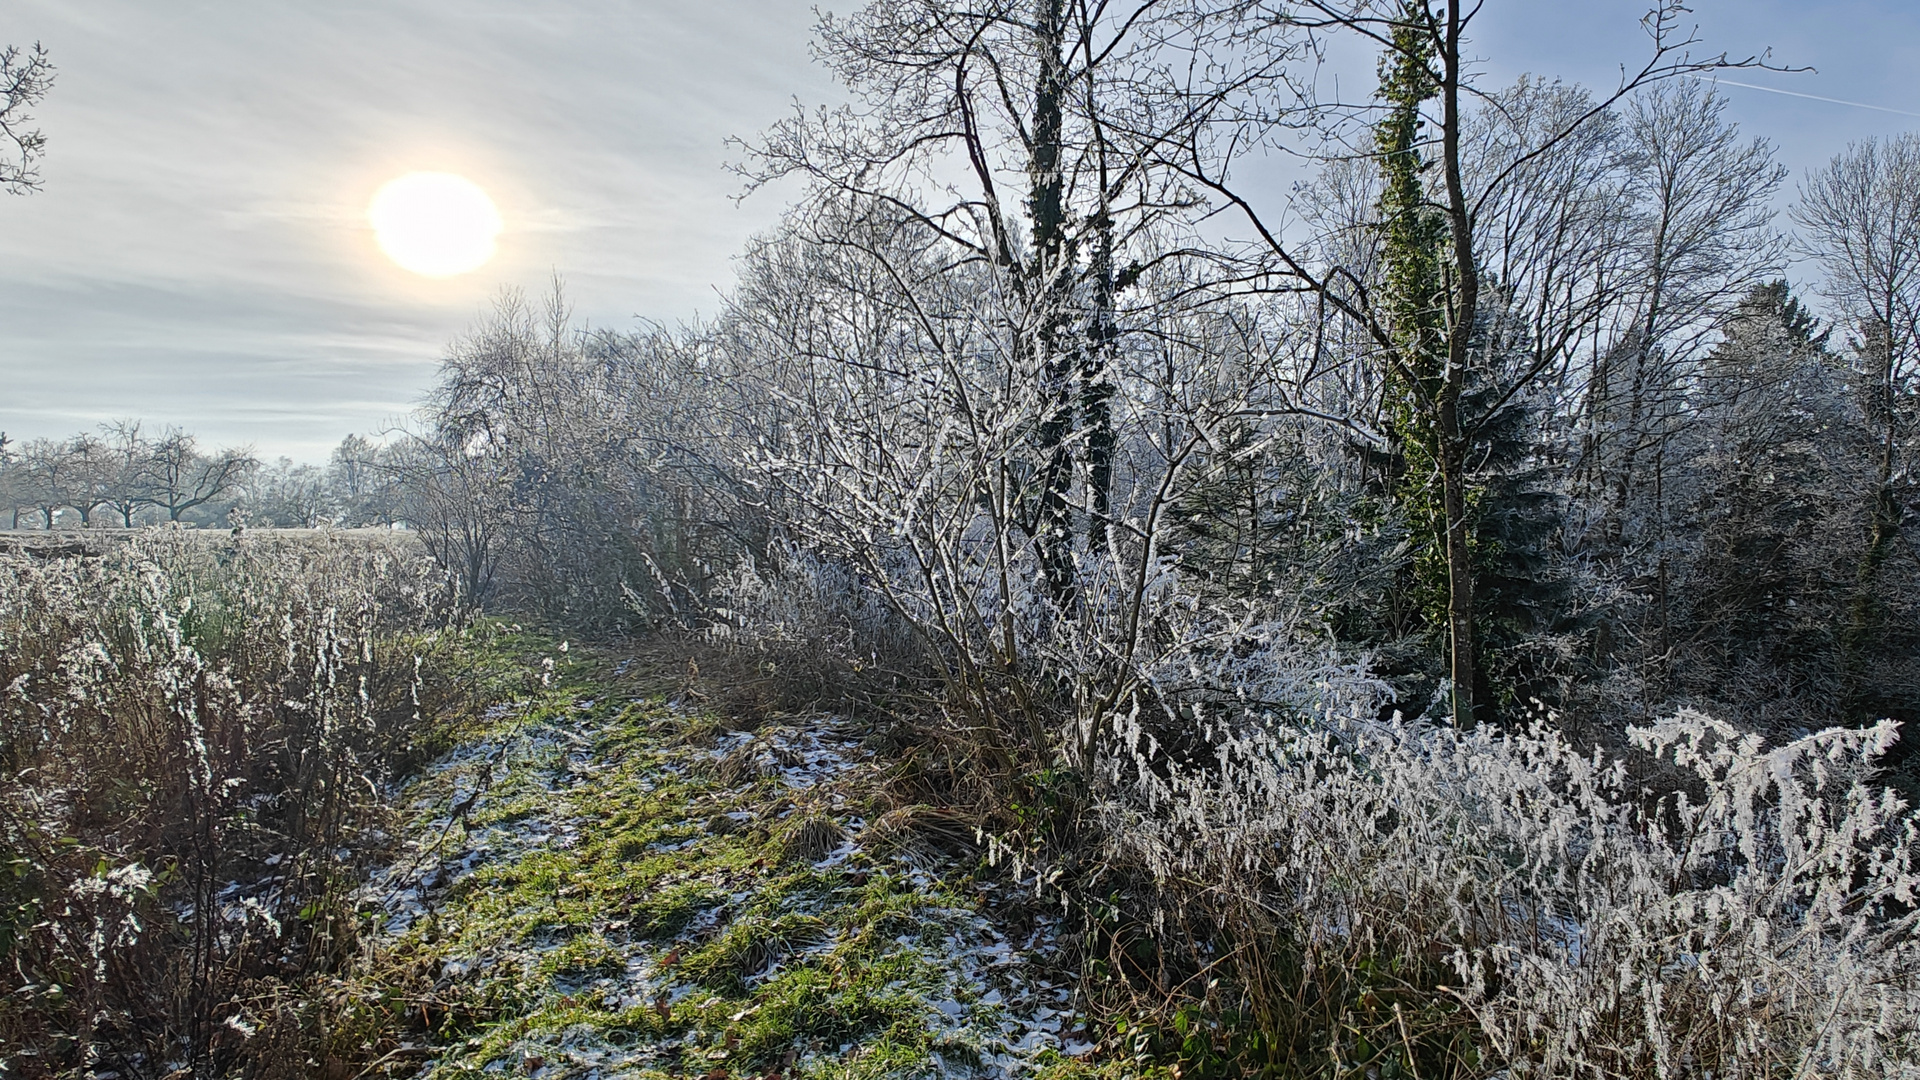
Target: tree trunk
1464, 313
1051, 274
1459, 553
1883, 511
1103, 333
1096, 391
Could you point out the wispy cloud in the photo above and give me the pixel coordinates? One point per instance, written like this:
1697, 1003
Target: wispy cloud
1809, 97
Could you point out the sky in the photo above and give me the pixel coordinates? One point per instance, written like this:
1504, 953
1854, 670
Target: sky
200, 253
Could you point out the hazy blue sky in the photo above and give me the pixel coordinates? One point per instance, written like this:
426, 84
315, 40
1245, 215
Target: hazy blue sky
200, 254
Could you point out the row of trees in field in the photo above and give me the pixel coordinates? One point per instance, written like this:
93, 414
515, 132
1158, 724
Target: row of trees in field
122, 476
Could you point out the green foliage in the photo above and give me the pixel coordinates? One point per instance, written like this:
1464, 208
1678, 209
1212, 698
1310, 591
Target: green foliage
1415, 300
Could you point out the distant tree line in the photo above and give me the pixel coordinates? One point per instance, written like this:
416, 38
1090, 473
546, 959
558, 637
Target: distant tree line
123, 477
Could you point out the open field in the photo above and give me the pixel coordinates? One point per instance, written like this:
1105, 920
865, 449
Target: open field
96, 540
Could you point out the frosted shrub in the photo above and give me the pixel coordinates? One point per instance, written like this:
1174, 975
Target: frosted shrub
809, 604
192, 735
578, 476
1143, 646
1721, 908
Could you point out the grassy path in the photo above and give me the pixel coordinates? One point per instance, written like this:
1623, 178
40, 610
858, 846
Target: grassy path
599, 882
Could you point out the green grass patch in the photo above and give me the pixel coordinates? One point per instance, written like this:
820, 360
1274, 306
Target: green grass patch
644, 891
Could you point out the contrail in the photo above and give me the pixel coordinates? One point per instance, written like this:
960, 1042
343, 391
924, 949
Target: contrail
1809, 97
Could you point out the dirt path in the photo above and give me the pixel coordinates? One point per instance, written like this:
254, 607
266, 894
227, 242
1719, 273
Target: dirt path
612, 887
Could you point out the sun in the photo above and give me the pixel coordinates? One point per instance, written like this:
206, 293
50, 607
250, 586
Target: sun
435, 224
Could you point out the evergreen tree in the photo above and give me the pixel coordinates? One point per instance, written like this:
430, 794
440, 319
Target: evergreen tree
1767, 539
1516, 511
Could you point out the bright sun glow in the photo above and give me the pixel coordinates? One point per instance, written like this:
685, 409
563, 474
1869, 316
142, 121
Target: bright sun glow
435, 224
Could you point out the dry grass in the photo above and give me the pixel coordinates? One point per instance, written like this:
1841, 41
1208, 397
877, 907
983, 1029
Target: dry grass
195, 731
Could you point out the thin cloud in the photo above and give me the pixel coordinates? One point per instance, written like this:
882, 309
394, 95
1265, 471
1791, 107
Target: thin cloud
1809, 97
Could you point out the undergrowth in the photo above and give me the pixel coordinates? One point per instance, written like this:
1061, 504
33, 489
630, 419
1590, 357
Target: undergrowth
194, 735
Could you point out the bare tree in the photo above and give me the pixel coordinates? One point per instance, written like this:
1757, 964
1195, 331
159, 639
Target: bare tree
58, 475
454, 493
25, 77
362, 488
91, 474
287, 496
177, 477
127, 451
1861, 216
1702, 239
13, 480
1022, 136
